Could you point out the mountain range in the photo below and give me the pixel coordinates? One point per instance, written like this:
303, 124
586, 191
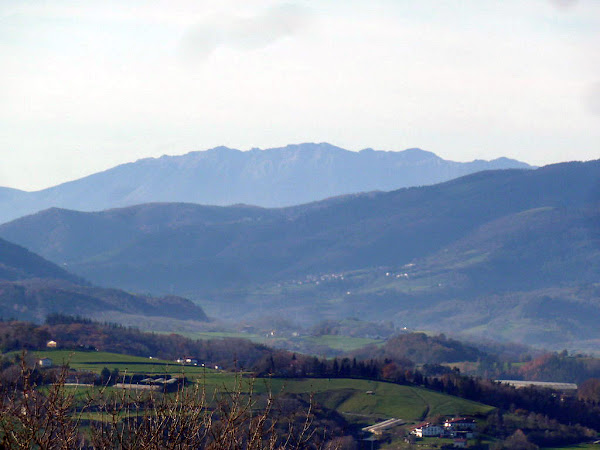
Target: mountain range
512, 254
31, 288
274, 177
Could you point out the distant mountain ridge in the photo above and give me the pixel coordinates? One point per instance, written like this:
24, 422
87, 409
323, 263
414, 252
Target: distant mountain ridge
275, 177
486, 253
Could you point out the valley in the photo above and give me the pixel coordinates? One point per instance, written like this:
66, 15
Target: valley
479, 255
376, 306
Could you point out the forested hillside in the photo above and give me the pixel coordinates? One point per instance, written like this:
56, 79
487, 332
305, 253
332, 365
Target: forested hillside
484, 253
32, 288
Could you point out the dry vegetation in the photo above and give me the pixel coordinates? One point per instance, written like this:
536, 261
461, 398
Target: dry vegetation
56, 417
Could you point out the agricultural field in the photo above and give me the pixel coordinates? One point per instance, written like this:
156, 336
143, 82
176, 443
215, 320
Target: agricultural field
368, 401
361, 401
342, 343
258, 338
96, 361
334, 342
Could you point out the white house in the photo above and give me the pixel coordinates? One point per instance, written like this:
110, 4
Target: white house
428, 430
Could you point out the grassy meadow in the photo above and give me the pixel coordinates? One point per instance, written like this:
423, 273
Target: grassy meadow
362, 401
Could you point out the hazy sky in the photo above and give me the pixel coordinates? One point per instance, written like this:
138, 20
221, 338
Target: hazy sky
86, 85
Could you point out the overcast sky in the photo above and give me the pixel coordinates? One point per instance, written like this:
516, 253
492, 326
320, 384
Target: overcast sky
86, 85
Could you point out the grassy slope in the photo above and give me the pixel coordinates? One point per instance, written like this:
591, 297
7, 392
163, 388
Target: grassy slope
344, 395
96, 361
389, 400
335, 342
343, 343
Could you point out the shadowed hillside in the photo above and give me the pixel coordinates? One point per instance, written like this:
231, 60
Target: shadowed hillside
32, 288
463, 254
17, 263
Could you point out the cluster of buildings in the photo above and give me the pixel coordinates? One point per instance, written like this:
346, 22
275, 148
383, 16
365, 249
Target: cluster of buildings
459, 428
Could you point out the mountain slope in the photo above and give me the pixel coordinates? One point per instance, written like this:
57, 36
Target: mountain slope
32, 287
36, 299
222, 176
488, 248
339, 234
17, 263
67, 236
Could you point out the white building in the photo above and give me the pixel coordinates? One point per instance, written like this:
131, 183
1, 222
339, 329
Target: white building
428, 430
460, 424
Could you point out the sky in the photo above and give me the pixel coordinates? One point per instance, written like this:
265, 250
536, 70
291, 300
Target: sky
87, 85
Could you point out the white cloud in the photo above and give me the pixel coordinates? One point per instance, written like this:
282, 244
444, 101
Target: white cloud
592, 98
243, 32
564, 4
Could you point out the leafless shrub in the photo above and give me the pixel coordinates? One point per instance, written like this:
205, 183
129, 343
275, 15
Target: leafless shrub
32, 418
51, 417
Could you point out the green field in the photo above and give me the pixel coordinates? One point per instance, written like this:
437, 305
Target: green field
335, 342
260, 339
96, 361
347, 396
343, 343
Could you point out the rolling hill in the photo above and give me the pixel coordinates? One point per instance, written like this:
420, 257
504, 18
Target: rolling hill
486, 250
222, 176
32, 288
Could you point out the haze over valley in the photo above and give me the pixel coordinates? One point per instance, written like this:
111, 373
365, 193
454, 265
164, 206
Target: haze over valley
510, 254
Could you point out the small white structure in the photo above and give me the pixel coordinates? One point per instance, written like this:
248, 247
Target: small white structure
51, 344
380, 427
428, 430
45, 362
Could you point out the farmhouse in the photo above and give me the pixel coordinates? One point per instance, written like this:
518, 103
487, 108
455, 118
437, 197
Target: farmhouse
460, 424
459, 428
428, 430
